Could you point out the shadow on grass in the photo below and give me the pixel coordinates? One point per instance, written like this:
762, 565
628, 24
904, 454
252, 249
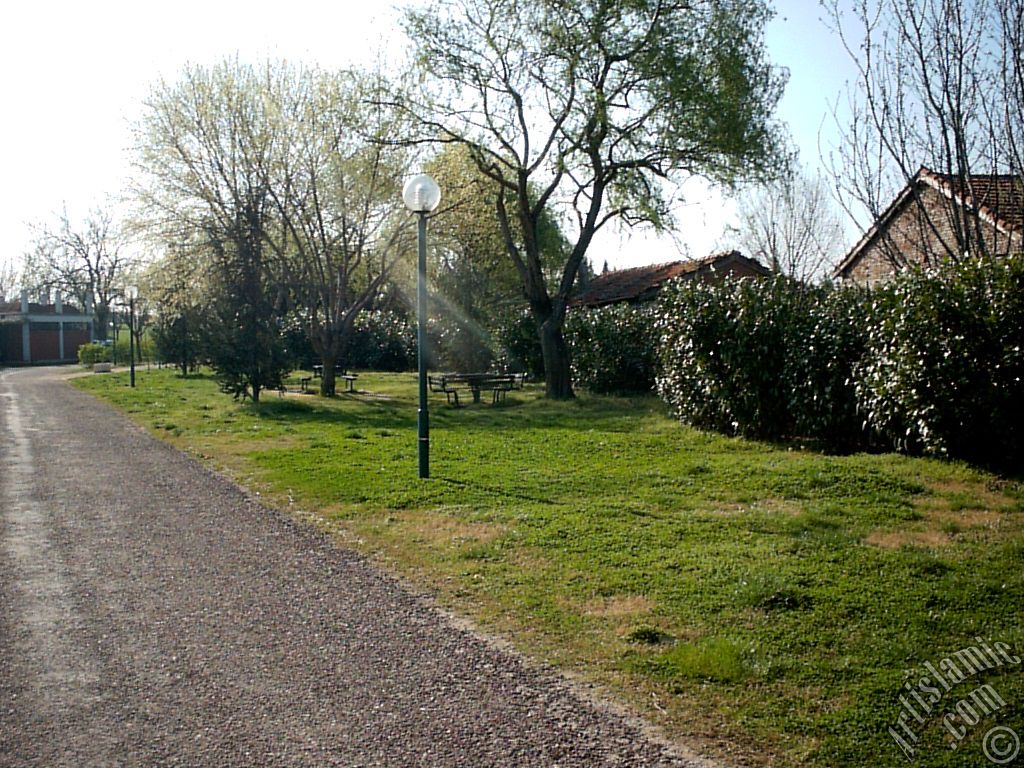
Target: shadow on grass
496, 491
512, 415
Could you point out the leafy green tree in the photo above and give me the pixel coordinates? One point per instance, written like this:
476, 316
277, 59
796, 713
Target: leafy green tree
342, 227
175, 287
288, 172
477, 288
205, 146
580, 109
245, 343
179, 338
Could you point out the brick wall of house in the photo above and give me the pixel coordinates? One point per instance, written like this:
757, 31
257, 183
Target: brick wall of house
916, 240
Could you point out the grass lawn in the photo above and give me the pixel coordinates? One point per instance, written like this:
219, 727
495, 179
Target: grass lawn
764, 604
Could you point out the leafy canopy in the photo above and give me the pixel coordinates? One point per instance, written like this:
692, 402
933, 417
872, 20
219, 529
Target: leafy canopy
597, 97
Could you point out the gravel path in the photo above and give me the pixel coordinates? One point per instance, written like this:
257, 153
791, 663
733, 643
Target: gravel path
152, 614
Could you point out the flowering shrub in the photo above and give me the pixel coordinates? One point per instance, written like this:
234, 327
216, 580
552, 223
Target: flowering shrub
746, 357
613, 348
933, 362
944, 369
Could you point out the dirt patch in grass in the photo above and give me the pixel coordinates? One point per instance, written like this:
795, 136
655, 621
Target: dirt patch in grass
950, 509
886, 539
443, 532
969, 518
961, 496
620, 606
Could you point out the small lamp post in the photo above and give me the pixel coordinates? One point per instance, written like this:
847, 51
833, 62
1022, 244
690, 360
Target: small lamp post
132, 292
422, 195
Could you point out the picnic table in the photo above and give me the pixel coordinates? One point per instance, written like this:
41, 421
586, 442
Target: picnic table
339, 373
498, 384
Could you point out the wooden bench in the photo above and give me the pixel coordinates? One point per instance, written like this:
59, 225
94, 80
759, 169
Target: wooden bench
440, 384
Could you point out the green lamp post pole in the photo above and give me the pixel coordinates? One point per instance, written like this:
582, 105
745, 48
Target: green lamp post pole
422, 195
132, 293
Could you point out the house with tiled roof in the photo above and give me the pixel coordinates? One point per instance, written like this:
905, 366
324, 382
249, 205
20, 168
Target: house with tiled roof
642, 284
42, 332
929, 217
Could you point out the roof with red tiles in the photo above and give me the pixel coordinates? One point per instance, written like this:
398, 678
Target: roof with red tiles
643, 283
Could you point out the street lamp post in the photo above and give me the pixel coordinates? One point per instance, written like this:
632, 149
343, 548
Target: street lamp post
132, 293
422, 195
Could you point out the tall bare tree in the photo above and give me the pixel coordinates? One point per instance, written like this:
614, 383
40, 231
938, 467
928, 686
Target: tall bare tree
793, 225
584, 108
939, 87
1010, 34
8, 279
85, 260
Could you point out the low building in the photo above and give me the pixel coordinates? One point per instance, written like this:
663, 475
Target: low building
920, 225
642, 284
37, 333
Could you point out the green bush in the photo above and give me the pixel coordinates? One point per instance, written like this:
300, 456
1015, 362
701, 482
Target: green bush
930, 363
768, 358
383, 341
723, 355
823, 350
944, 372
614, 348
518, 344
88, 354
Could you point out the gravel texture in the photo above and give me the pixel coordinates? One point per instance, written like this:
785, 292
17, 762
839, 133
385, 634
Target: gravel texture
153, 614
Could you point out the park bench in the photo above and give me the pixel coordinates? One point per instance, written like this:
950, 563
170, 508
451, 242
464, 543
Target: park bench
282, 390
498, 384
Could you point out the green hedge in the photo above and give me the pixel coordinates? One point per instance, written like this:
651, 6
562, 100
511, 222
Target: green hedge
614, 348
944, 371
768, 358
930, 363
88, 354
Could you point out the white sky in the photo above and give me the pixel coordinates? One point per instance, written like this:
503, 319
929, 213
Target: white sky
73, 76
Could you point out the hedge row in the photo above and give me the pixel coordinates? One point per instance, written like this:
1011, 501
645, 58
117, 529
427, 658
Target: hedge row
930, 363
945, 370
613, 348
90, 354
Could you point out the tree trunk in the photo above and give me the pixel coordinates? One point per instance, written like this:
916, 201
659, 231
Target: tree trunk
327, 385
101, 318
555, 351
